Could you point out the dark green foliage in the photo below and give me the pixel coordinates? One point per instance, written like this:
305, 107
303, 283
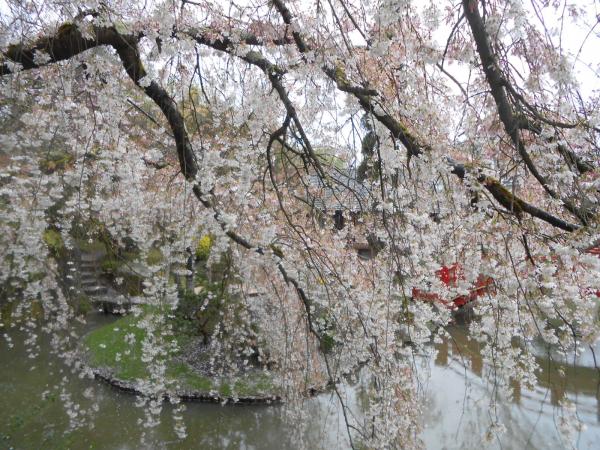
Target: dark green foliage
369, 166
56, 160
327, 343
53, 239
200, 313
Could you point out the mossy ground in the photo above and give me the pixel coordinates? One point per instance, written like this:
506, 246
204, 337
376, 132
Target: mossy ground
108, 347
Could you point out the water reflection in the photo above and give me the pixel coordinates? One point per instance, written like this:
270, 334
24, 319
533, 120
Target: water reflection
458, 408
29, 421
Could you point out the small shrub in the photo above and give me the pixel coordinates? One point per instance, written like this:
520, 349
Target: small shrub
204, 246
110, 266
154, 257
53, 239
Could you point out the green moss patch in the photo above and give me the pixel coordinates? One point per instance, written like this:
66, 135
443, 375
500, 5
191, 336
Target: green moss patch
91, 246
108, 347
188, 379
118, 348
53, 240
154, 257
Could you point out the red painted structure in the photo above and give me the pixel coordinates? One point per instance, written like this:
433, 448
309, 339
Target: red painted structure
594, 251
450, 275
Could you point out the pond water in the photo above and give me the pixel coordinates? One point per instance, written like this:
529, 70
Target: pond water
458, 412
457, 408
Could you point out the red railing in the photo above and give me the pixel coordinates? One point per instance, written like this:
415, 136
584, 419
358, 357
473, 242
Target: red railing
450, 275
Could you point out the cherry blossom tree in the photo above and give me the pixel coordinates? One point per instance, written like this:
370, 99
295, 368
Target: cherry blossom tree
479, 133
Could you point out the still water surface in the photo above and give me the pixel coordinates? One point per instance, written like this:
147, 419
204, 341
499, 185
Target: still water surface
457, 409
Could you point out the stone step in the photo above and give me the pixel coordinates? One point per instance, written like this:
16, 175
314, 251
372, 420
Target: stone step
87, 262
88, 266
94, 290
90, 260
95, 286
118, 299
92, 281
88, 273
112, 299
91, 256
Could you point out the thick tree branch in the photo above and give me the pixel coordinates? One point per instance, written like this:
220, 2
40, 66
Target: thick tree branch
412, 144
398, 131
275, 75
511, 122
510, 201
541, 118
219, 41
68, 41
535, 126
